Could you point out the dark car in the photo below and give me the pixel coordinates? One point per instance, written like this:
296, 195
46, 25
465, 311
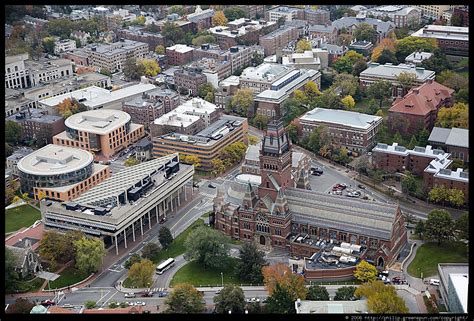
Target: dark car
211, 186
47, 303
361, 186
147, 294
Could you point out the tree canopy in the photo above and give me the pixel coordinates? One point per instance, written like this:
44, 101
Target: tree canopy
303, 45
150, 250
408, 45
281, 275
439, 225
165, 237
209, 247
249, 268
89, 254
380, 90
365, 271
381, 298
185, 299
345, 293
242, 101
234, 13
141, 273
13, 132
365, 31
281, 301
70, 106
454, 116
231, 298
219, 19
317, 293
150, 67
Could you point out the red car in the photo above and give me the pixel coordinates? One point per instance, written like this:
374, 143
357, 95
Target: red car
47, 303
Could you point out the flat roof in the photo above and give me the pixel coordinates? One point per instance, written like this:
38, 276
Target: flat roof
443, 32
96, 168
54, 159
347, 307
305, 74
255, 180
196, 106
458, 175
392, 71
176, 119
180, 48
460, 283
342, 117
99, 122
264, 71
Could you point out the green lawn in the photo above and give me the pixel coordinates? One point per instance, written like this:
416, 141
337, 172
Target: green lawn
27, 286
430, 254
197, 275
177, 246
67, 277
21, 216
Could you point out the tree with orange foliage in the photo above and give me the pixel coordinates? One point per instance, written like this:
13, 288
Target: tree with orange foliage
385, 44
281, 274
70, 106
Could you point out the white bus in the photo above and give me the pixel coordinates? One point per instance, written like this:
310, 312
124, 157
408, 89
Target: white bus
165, 266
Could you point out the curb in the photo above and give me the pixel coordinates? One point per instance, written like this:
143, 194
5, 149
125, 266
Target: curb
70, 286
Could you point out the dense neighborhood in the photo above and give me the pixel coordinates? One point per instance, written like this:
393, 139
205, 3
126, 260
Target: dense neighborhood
236, 159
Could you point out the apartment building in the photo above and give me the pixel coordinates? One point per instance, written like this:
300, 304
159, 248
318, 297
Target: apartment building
15, 101
64, 45
189, 79
383, 28
12, 160
389, 72
140, 35
179, 54
434, 11
113, 56
316, 17
241, 30
287, 13
214, 70
59, 173
207, 143
103, 132
352, 130
418, 109
452, 140
143, 110
169, 98
453, 41
327, 32
38, 125
202, 18
278, 39
260, 78
402, 16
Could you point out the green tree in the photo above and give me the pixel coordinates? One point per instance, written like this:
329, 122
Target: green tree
218, 166
185, 299
165, 237
204, 89
261, 121
455, 116
359, 67
202, 39
231, 298
317, 293
90, 304
61, 27
257, 59
209, 247
407, 81
345, 293
141, 273
438, 62
413, 142
253, 140
234, 13
150, 250
329, 99
380, 90
48, 45
462, 226
397, 138
89, 254
303, 45
291, 109
21, 305
179, 9
56, 247
462, 96
281, 301
249, 268
8, 150
105, 72
343, 65
381, 298
150, 67
160, 50
420, 228
13, 132
452, 80
365, 272
365, 31
439, 225
292, 131
408, 45
134, 258
423, 136
242, 101
234, 152
131, 161
387, 56
140, 20
10, 274
132, 70
408, 183
455, 197
172, 33
346, 83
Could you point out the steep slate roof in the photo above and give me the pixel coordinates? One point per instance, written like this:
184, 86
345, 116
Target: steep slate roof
347, 22
423, 99
450, 136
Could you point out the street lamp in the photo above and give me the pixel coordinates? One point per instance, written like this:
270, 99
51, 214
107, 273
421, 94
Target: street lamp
222, 276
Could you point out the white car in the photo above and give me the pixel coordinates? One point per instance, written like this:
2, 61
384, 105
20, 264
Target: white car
434, 282
130, 295
140, 303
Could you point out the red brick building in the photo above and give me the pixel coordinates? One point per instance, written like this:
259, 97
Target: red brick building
277, 215
452, 140
419, 108
189, 79
179, 54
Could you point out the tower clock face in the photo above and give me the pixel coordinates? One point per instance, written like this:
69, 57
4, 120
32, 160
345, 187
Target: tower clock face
262, 217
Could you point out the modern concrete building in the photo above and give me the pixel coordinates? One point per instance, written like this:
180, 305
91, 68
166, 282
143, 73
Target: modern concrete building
276, 215
269, 102
260, 78
64, 45
305, 60
207, 143
97, 98
453, 286
452, 140
418, 109
454, 41
352, 130
332, 307
60, 173
287, 13
113, 56
104, 132
389, 72
417, 57
403, 16
124, 204
16, 73
278, 39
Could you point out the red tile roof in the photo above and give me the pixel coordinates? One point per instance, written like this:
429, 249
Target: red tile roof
57, 309
423, 99
31, 232
128, 310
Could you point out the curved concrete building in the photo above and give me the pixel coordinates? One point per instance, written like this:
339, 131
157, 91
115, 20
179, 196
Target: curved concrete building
59, 172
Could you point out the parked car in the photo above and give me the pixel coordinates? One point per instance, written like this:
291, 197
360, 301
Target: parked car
147, 294
162, 294
140, 303
47, 303
337, 192
361, 186
211, 186
218, 291
343, 185
434, 282
130, 295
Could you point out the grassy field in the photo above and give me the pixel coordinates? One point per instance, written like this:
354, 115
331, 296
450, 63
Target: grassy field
177, 246
67, 277
197, 275
28, 286
21, 216
430, 254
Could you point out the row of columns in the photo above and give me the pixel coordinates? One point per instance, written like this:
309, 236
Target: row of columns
173, 201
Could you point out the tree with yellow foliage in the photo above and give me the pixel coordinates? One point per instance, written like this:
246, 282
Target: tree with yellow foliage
381, 298
455, 116
150, 67
348, 101
70, 106
303, 45
219, 19
365, 271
